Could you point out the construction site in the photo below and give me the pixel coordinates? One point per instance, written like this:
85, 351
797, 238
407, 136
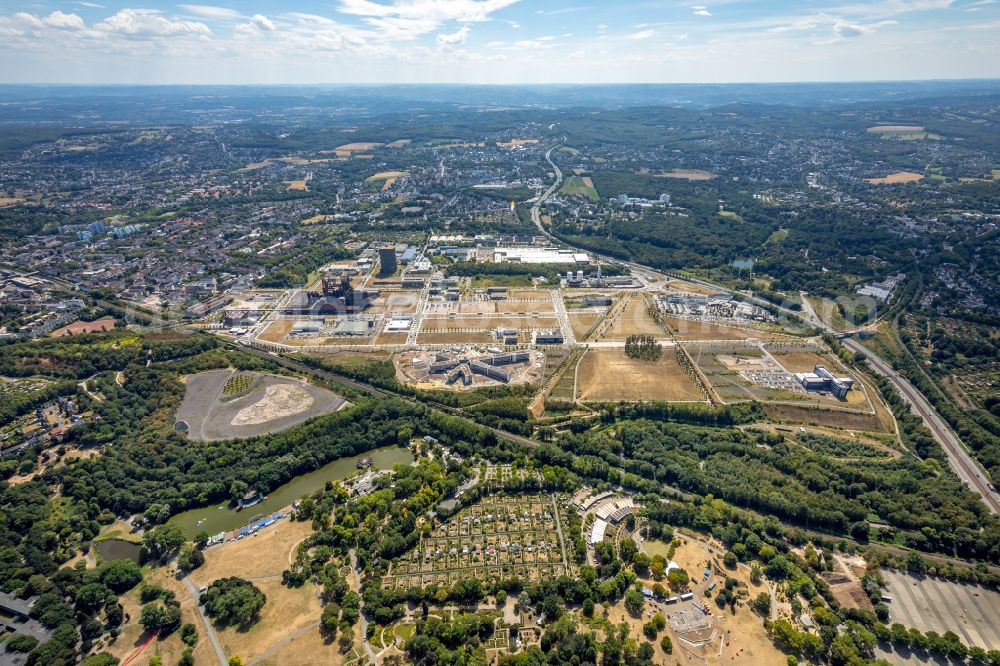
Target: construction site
467, 368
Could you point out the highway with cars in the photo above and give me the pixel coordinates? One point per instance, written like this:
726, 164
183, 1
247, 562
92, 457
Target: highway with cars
960, 460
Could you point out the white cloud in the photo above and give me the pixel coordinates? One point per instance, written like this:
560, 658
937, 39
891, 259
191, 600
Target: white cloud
64, 21
149, 22
261, 22
700, 10
91, 5
885, 8
457, 37
212, 12
642, 34
438, 11
845, 29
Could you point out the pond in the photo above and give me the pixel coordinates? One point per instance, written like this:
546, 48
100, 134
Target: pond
117, 549
223, 518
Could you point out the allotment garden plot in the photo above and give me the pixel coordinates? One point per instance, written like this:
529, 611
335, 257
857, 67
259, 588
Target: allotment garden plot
497, 538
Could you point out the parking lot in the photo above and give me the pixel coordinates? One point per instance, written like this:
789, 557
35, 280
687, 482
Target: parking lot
926, 603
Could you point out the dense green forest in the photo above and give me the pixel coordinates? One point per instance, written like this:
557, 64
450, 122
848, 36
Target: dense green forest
927, 509
148, 468
815, 240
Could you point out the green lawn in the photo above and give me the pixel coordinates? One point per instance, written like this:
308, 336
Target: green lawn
577, 186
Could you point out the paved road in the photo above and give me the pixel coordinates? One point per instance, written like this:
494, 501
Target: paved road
959, 459
193, 590
364, 620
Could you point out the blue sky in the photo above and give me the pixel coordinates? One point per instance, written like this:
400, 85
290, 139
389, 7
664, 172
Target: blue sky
496, 41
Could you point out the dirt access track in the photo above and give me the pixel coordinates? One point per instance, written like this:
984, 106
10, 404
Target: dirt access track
272, 404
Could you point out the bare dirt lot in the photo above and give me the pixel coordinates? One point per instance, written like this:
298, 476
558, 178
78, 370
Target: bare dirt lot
607, 374
274, 403
390, 304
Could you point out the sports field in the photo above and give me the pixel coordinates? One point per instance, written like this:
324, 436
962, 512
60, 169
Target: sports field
608, 374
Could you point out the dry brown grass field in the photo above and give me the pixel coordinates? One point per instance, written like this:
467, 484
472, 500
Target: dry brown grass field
802, 361
308, 648
490, 323
825, 417
690, 288
446, 338
688, 174
515, 306
261, 558
10, 201
897, 178
686, 329
888, 129
276, 331
607, 374
266, 554
358, 146
170, 648
581, 323
298, 186
633, 320
391, 339
286, 611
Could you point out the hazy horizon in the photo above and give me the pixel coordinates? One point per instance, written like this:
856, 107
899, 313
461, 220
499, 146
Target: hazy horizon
317, 42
